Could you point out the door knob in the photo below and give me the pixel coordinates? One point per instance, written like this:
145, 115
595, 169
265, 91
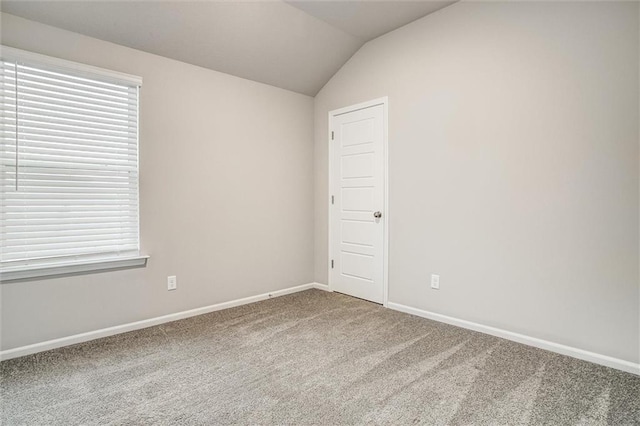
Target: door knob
377, 215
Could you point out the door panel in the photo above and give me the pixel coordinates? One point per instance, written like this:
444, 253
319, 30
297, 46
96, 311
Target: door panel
357, 166
358, 200
358, 233
358, 131
357, 178
357, 265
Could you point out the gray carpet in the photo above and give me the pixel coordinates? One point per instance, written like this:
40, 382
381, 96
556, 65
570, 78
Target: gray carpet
312, 358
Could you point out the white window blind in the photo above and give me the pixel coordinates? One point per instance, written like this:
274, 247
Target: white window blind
69, 162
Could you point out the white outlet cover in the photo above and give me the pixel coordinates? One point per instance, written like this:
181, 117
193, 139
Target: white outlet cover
435, 281
172, 282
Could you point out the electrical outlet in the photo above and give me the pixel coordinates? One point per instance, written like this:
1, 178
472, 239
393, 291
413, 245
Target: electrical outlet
435, 281
172, 282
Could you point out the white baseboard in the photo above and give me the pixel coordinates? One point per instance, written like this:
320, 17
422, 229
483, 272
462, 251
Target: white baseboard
322, 287
110, 331
605, 360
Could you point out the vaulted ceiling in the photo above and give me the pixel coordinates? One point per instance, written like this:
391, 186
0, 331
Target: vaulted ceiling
295, 45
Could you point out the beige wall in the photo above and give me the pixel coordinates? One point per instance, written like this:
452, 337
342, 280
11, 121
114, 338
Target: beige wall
226, 193
513, 166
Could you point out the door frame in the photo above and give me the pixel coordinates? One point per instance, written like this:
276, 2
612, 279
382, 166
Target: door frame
384, 101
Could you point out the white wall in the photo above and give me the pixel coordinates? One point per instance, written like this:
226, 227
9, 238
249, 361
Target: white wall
513, 165
226, 192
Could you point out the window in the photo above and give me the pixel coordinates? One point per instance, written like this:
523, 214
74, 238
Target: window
69, 167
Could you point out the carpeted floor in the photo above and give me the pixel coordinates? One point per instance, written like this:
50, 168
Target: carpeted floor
312, 358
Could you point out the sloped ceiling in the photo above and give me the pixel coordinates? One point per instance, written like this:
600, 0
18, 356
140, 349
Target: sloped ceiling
367, 20
297, 45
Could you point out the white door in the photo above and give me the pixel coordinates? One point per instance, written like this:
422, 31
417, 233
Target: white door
357, 230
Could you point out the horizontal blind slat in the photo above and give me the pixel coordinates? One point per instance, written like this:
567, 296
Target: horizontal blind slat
74, 93
78, 115
46, 117
65, 223
128, 149
49, 163
65, 258
33, 192
68, 251
38, 128
72, 75
38, 151
29, 98
64, 95
73, 173
73, 117
35, 77
27, 133
30, 101
27, 137
34, 233
32, 182
50, 242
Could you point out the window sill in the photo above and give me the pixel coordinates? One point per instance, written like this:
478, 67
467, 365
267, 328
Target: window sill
18, 273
